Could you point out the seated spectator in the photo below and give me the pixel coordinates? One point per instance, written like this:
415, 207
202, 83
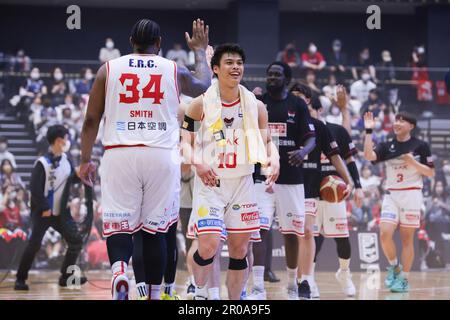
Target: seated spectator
385, 68
20, 62
8, 177
58, 87
34, 86
5, 154
363, 62
330, 89
289, 56
374, 103
313, 59
311, 82
369, 182
337, 61
387, 117
178, 54
360, 89
36, 110
14, 209
84, 85
108, 52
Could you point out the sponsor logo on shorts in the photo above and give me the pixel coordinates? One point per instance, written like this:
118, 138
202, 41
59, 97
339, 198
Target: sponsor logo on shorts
297, 224
341, 226
210, 223
264, 220
411, 217
250, 216
116, 215
388, 215
202, 211
106, 225
310, 204
214, 212
236, 207
289, 214
249, 205
331, 219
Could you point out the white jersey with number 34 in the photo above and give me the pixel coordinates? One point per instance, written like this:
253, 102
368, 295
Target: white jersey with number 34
141, 102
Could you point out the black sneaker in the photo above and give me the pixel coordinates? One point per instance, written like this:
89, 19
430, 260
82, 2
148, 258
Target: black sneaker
304, 291
21, 285
270, 276
63, 281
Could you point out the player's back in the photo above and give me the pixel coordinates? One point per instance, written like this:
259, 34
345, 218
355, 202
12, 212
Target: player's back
141, 102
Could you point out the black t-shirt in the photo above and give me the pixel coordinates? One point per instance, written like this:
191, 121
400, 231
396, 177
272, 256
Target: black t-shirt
290, 125
346, 146
393, 149
326, 145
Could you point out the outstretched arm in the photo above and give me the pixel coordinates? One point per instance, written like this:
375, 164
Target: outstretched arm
369, 124
194, 84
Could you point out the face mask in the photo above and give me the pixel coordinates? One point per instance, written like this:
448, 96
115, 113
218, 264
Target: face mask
365, 56
109, 44
3, 147
336, 48
377, 126
365, 77
89, 76
11, 205
35, 75
313, 49
58, 76
335, 111
66, 147
420, 50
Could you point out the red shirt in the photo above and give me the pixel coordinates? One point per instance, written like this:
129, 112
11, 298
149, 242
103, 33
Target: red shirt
10, 216
315, 58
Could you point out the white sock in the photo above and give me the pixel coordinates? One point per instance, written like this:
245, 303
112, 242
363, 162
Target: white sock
313, 269
394, 262
214, 293
308, 278
141, 289
344, 264
168, 288
192, 280
258, 277
119, 266
155, 292
292, 277
201, 291
405, 275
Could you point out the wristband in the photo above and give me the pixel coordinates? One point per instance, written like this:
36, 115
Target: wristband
369, 131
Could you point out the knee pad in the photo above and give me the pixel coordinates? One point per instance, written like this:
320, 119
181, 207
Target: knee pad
200, 261
238, 264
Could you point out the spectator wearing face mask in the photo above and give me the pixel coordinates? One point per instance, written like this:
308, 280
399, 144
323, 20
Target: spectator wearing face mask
108, 52
33, 87
374, 103
84, 85
313, 59
330, 89
7, 175
363, 62
360, 89
5, 154
337, 61
58, 87
289, 56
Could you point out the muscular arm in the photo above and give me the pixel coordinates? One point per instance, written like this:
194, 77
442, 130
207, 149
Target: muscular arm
94, 113
195, 84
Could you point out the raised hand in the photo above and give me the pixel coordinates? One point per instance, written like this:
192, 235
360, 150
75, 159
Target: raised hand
341, 97
200, 36
369, 123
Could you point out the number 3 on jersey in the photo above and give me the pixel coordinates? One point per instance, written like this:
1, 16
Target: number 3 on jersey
399, 177
152, 90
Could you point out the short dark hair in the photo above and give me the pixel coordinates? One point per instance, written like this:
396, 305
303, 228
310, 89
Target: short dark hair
303, 89
226, 48
407, 117
3, 139
316, 104
145, 33
286, 69
55, 132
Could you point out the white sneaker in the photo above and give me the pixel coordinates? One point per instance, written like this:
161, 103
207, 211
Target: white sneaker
345, 280
315, 294
292, 293
257, 294
120, 286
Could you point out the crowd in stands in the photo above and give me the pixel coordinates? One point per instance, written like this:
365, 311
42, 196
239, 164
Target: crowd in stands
44, 102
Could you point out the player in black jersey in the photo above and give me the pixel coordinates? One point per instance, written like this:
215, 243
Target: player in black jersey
325, 146
291, 128
407, 159
331, 219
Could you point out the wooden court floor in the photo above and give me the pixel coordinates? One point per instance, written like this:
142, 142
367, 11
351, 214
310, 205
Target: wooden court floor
430, 285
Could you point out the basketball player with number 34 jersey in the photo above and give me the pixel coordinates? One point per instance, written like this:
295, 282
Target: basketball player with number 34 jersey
407, 159
138, 95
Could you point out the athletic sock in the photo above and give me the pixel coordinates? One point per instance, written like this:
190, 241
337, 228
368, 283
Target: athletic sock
168, 288
344, 264
201, 291
141, 289
192, 280
214, 293
155, 292
119, 266
405, 275
258, 277
394, 262
291, 277
308, 278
